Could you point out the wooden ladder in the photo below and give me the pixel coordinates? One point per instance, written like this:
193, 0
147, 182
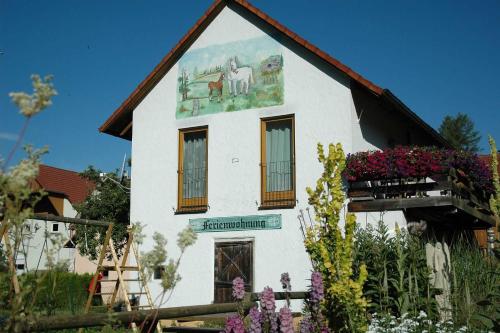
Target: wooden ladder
120, 282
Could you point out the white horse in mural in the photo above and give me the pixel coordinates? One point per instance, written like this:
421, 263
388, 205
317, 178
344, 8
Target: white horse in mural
242, 75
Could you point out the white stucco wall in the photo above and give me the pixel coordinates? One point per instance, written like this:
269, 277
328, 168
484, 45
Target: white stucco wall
324, 112
32, 253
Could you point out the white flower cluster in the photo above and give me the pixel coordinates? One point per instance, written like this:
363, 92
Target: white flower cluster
43, 90
419, 324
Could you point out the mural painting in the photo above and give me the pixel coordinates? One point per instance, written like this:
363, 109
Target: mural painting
230, 77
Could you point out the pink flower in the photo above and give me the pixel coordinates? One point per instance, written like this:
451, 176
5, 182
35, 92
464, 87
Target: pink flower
238, 288
267, 301
286, 320
317, 290
255, 320
285, 281
234, 324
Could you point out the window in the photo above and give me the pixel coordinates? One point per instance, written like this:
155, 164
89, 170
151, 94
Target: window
55, 227
158, 272
192, 192
277, 162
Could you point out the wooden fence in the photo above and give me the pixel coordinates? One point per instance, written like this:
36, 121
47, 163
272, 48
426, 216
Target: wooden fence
125, 318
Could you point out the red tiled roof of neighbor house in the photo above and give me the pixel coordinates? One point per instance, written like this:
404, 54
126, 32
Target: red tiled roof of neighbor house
66, 182
120, 122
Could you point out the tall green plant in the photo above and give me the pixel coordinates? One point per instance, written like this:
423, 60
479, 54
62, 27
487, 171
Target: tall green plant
398, 277
495, 198
331, 251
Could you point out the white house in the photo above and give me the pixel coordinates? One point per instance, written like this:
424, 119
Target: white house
64, 189
224, 134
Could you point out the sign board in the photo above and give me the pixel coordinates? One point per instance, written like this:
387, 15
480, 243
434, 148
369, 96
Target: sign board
235, 223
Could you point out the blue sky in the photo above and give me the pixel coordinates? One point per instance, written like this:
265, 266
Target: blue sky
439, 57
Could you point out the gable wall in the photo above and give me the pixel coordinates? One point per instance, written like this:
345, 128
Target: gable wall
324, 112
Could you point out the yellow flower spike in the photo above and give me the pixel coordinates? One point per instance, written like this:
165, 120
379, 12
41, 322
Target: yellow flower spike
332, 252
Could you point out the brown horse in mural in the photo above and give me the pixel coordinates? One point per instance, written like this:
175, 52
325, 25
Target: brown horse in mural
217, 86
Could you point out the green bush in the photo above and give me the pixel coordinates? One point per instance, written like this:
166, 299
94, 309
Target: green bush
398, 277
56, 291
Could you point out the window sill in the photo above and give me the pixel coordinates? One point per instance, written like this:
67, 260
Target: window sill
191, 210
282, 204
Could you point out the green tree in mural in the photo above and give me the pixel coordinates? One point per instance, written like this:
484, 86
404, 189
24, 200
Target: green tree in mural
183, 85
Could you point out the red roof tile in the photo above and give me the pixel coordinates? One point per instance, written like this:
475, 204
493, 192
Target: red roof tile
67, 182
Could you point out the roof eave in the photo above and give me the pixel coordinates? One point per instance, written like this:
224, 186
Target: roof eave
122, 117
389, 97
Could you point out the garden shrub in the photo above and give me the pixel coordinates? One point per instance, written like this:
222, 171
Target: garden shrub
398, 276
56, 291
331, 250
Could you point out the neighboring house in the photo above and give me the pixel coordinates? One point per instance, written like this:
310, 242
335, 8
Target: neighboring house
64, 189
224, 134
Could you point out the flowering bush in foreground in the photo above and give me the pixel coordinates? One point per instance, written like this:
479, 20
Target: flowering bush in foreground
267, 320
419, 324
416, 162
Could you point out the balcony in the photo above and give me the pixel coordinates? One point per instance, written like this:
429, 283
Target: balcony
443, 187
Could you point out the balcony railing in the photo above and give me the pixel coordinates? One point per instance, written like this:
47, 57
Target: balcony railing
455, 189
278, 184
193, 190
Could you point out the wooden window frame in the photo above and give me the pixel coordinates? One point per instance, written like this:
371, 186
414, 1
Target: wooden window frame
191, 205
276, 199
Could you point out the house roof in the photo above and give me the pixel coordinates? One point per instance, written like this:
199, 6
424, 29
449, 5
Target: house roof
120, 122
66, 182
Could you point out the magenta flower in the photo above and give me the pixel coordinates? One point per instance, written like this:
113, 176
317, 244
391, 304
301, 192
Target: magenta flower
286, 320
238, 288
285, 281
234, 324
267, 301
255, 320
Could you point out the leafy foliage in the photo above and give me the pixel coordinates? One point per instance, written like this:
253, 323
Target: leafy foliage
17, 198
331, 252
460, 132
57, 291
495, 199
110, 202
157, 257
398, 277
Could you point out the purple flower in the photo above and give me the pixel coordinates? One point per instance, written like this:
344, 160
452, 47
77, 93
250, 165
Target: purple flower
317, 290
306, 326
267, 301
273, 322
285, 281
234, 324
238, 288
286, 320
255, 320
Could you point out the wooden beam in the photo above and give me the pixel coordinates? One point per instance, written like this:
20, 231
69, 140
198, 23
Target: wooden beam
463, 205
380, 205
60, 322
72, 220
125, 130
